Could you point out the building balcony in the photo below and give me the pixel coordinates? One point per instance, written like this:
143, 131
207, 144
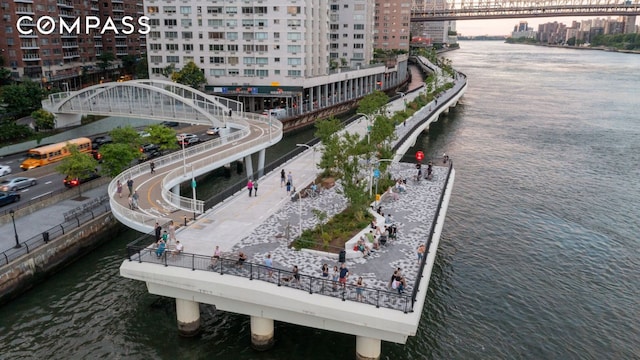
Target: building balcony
24, 10
65, 4
31, 45
31, 57
23, 1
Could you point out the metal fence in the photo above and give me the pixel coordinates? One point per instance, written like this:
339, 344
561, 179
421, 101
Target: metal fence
279, 277
73, 220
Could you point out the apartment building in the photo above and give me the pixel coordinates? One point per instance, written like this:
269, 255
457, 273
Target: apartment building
392, 24
62, 56
298, 55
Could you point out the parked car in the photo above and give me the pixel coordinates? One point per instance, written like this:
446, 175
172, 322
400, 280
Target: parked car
147, 148
4, 170
17, 183
144, 134
170, 123
96, 155
8, 197
71, 182
213, 131
187, 139
101, 140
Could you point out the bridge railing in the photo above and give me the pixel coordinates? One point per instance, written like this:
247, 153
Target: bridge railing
380, 298
186, 203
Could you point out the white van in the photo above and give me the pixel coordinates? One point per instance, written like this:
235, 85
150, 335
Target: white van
276, 113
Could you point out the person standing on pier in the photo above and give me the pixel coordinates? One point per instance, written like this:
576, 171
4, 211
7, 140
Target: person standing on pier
119, 189
158, 230
255, 188
283, 177
290, 178
172, 231
344, 274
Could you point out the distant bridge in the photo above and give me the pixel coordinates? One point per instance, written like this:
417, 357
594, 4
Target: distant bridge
509, 9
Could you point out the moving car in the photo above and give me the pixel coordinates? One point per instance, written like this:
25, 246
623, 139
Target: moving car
70, 182
5, 169
17, 183
149, 151
8, 197
187, 139
170, 123
213, 131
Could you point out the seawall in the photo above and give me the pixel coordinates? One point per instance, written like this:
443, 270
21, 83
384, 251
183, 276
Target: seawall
36, 266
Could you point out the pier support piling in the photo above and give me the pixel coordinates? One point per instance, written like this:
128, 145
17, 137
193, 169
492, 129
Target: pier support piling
367, 348
248, 164
261, 156
261, 333
188, 316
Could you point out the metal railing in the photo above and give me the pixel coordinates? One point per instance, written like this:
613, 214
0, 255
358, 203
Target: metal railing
79, 217
279, 277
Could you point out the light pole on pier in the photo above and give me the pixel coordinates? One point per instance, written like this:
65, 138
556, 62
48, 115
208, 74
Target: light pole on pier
369, 123
15, 231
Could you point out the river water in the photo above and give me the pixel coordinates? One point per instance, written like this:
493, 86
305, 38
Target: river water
538, 259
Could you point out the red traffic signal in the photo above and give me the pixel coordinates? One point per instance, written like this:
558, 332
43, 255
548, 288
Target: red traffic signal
419, 155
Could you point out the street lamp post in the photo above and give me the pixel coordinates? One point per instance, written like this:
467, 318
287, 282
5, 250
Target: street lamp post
12, 213
193, 187
404, 101
184, 157
314, 153
369, 123
371, 175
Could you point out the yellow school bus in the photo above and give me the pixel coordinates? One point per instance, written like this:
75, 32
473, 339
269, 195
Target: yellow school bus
124, 78
48, 154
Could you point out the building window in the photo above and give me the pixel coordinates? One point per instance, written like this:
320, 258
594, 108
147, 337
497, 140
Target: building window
231, 10
248, 60
215, 35
153, 9
169, 9
294, 36
294, 73
293, 10
294, 49
155, 47
170, 22
216, 72
232, 47
232, 60
185, 10
172, 47
234, 72
187, 47
232, 36
216, 60
214, 9
231, 22
358, 26
170, 34
216, 47
262, 61
294, 61
249, 72
173, 59
262, 72
185, 22
214, 22
187, 35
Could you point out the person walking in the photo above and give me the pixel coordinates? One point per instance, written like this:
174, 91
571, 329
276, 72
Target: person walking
135, 198
119, 189
152, 166
255, 188
283, 177
130, 186
250, 186
420, 251
288, 188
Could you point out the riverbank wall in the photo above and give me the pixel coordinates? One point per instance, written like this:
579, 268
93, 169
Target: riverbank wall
36, 266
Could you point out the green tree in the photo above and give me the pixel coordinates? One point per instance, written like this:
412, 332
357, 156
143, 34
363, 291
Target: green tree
142, 69
129, 63
5, 76
163, 136
44, 119
190, 75
373, 104
126, 135
21, 99
116, 157
327, 131
169, 70
77, 165
105, 59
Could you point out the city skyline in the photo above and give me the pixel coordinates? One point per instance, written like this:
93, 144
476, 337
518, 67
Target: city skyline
505, 26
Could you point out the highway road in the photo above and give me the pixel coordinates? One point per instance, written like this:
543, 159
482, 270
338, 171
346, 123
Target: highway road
49, 181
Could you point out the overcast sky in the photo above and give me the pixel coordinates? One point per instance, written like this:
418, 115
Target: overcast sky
505, 26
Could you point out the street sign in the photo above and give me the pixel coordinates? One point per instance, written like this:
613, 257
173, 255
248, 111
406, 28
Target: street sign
419, 155
376, 173
193, 183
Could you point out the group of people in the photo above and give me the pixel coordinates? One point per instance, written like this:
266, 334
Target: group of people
287, 181
133, 194
166, 237
252, 186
